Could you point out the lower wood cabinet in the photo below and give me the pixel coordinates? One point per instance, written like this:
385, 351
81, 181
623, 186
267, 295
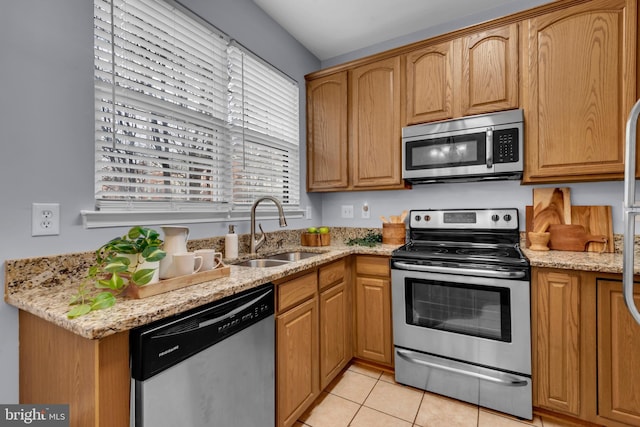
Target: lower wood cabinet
335, 321
586, 347
313, 336
373, 309
60, 367
618, 355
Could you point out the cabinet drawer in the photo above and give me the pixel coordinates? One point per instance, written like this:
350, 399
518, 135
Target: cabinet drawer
296, 290
331, 274
372, 265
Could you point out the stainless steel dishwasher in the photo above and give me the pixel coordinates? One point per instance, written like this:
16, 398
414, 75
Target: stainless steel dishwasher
211, 366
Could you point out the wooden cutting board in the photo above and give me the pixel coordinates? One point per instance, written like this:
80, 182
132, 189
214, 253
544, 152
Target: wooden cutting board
597, 221
551, 206
571, 237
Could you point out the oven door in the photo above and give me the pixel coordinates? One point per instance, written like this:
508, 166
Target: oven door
478, 320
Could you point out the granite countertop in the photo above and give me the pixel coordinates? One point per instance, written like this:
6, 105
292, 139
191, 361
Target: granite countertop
44, 286
586, 261
50, 302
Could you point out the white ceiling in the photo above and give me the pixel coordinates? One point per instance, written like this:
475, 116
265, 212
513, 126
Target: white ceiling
329, 28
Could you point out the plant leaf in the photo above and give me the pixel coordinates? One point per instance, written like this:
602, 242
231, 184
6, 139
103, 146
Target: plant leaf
153, 253
78, 310
143, 276
135, 232
116, 267
115, 282
103, 300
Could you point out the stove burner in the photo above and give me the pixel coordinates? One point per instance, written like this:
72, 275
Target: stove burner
494, 253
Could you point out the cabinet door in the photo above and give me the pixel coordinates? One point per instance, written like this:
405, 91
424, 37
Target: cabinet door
327, 133
429, 83
581, 84
373, 319
618, 355
297, 361
335, 343
556, 339
375, 155
490, 71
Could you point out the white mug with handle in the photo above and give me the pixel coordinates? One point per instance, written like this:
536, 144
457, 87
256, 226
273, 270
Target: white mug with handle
211, 259
185, 263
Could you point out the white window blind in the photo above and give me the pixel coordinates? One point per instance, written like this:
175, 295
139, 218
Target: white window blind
264, 126
164, 91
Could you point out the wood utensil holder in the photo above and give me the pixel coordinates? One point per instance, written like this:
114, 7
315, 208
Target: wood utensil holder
393, 233
315, 239
138, 292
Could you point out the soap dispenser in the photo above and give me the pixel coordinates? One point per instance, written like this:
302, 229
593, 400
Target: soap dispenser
231, 244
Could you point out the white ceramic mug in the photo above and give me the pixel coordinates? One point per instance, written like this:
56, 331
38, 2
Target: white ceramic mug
186, 263
210, 258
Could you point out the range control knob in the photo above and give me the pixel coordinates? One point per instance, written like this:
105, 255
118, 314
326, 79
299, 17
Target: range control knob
418, 218
495, 217
507, 217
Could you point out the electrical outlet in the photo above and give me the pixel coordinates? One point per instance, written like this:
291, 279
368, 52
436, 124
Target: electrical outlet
366, 211
347, 211
45, 219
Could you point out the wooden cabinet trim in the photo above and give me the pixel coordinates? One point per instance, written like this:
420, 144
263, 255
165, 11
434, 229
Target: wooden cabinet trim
294, 291
331, 274
372, 265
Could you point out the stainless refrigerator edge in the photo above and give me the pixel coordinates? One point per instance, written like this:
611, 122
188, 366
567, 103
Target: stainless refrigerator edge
631, 210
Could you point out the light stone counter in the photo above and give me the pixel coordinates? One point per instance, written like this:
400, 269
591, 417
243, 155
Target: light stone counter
44, 286
587, 261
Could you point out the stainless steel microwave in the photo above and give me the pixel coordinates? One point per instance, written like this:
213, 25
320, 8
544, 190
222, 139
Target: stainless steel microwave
473, 148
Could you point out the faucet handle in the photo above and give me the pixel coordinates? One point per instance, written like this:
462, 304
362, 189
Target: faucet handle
262, 239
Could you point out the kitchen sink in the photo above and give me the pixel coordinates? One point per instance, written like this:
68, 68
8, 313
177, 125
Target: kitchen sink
277, 260
293, 256
262, 263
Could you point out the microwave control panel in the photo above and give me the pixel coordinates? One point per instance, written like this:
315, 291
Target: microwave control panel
505, 146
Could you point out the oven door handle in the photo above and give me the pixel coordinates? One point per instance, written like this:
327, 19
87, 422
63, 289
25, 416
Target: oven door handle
505, 379
470, 271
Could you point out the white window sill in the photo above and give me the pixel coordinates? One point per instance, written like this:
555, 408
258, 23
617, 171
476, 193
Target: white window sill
103, 219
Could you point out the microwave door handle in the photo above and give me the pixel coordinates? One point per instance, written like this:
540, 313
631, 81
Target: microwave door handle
489, 148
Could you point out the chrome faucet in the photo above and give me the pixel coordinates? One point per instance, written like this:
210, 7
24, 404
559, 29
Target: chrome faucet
254, 244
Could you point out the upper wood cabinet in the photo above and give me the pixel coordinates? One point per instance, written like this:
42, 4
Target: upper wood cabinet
489, 80
354, 130
327, 133
580, 83
474, 74
429, 83
375, 125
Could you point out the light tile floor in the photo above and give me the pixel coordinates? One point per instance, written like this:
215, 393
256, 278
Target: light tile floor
362, 396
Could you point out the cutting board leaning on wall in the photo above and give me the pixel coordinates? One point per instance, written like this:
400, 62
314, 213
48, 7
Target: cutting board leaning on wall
552, 206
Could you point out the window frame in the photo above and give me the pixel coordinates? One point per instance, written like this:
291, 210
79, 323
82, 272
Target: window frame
124, 213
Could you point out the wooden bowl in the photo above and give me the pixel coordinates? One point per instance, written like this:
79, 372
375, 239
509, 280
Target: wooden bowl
539, 241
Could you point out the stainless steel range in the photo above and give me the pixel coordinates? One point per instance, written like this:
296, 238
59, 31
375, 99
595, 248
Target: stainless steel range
461, 308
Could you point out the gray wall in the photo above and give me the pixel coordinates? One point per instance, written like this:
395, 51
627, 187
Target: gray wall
46, 122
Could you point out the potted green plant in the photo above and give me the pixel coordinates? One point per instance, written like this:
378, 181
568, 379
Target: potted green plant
128, 260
